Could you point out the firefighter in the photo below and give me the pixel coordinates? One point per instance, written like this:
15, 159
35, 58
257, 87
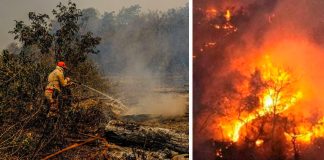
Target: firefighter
56, 82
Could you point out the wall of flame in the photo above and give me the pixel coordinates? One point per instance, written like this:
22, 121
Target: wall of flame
283, 40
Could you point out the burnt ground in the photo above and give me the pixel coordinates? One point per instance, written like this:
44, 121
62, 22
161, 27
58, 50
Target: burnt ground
176, 123
107, 148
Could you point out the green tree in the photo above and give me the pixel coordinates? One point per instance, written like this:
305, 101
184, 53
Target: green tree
70, 45
23, 76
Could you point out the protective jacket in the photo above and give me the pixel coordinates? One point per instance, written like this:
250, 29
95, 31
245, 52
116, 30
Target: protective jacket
56, 79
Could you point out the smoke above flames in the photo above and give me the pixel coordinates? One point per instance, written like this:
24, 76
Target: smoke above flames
243, 52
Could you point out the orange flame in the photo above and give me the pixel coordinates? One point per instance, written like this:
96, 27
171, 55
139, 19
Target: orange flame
273, 100
307, 133
227, 15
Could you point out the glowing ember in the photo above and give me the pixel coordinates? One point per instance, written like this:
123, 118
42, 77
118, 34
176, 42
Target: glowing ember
217, 26
259, 142
228, 27
210, 44
219, 153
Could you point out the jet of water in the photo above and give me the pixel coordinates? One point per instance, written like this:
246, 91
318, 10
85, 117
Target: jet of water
121, 106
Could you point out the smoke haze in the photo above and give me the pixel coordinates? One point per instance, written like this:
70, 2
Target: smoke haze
18, 10
146, 52
144, 48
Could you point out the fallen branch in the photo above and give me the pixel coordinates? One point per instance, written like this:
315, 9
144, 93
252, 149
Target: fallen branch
70, 147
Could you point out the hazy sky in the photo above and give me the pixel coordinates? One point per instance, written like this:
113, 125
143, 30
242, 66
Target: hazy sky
18, 9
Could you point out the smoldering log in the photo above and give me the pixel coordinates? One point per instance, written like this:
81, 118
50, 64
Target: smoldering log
132, 134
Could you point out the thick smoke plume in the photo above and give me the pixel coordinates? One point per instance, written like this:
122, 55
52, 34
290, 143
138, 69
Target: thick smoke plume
290, 33
146, 52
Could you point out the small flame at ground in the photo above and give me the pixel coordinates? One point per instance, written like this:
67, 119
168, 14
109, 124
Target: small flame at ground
227, 15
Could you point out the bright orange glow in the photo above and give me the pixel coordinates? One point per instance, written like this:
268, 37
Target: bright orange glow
268, 99
261, 88
306, 132
227, 15
211, 13
273, 100
212, 10
280, 95
259, 142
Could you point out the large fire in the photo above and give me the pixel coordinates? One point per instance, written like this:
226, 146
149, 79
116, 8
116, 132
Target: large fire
258, 73
278, 98
273, 99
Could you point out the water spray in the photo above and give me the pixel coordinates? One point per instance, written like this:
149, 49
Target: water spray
121, 106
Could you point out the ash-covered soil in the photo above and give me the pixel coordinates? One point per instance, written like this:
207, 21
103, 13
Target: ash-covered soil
178, 124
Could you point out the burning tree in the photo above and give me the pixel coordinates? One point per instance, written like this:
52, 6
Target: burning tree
258, 120
270, 93
246, 103
261, 121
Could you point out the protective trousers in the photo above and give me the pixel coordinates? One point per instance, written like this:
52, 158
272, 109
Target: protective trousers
52, 99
